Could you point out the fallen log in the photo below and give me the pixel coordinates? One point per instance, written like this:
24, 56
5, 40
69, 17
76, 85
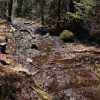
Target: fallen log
28, 31
27, 23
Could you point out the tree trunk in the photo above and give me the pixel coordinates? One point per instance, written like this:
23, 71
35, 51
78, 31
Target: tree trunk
10, 9
71, 7
42, 11
5, 9
59, 13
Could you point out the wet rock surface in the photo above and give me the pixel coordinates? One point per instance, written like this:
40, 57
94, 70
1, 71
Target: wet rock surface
63, 69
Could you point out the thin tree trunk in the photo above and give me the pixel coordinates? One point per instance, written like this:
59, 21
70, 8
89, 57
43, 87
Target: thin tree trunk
59, 13
42, 11
71, 6
10, 10
5, 10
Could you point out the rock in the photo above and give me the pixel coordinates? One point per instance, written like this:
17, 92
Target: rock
29, 60
3, 43
3, 38
67, 35
4, 62
2, 21
25, 71
2, 27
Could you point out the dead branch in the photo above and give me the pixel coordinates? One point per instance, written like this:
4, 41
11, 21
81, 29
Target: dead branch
28, 31
27, 23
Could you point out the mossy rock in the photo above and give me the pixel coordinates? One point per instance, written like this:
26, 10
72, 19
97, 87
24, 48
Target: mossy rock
67, 35
3, 21
3, 38
11, 44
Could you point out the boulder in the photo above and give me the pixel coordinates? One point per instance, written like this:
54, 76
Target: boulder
67, 35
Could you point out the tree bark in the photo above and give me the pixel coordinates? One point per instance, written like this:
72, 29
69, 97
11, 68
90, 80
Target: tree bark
10, 10
71, 6
42, 11
59, 13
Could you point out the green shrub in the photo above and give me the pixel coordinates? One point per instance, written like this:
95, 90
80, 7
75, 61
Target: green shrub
23, 10
26, 9
82, 9
17, 10
2, 8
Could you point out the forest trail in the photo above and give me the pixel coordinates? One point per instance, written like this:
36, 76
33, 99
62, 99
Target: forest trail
68, 71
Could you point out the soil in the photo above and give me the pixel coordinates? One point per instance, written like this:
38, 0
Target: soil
66, 71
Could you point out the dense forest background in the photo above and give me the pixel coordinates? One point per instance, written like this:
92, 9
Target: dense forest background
79, 16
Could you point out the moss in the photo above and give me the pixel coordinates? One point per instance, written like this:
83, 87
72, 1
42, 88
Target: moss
44, 95
3, 39
2, 21
66, 35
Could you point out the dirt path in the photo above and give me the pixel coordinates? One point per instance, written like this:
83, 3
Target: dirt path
62, 69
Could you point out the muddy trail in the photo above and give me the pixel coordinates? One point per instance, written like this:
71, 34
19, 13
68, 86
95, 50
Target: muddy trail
68, 71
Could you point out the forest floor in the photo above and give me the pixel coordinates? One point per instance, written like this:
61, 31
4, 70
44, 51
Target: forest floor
45, 68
